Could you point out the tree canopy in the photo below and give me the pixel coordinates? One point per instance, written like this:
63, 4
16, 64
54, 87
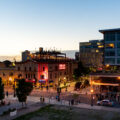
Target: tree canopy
80, 71
2, 95
23, 90
7, 63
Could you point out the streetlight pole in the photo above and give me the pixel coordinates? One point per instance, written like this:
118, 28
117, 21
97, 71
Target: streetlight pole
58, 90
91, 96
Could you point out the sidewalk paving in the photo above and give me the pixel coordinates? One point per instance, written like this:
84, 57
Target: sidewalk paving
36, 105
23, 111
95, 107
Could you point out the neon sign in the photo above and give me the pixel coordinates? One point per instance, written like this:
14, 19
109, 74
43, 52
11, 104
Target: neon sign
62, 66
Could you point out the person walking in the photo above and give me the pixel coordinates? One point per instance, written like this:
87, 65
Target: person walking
41, 99
7, 93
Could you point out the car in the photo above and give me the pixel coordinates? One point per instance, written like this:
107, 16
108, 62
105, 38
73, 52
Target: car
105, 102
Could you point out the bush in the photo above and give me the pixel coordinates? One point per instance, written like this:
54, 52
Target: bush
77, 85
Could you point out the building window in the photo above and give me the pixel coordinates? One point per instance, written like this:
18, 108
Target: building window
118, 45
18, 68
50, 75
34, 76
56, 68
110, 45
118, 61
109, 53
60, 73
118, 36
118, 53
29, 68
42, 76
25, 69
64, 73
26, 76
55, 75
109, 60
43, 68
110, 36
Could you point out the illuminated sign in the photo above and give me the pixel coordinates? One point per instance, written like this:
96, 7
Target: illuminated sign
62, 66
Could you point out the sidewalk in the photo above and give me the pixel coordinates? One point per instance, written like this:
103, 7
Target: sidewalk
85, 106
23, 111
37, 105
95, 107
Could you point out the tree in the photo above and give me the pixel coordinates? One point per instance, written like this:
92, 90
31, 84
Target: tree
23, 90
2, 95
79, 75
86, 83
77, 85
7, 63
80, 71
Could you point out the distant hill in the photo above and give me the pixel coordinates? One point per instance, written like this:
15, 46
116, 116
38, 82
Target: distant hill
11, 58
70, 53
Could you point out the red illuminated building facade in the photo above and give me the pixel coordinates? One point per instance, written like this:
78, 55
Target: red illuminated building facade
46, 72
46, 67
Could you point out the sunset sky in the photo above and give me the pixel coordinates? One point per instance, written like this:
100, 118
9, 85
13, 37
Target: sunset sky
60, 24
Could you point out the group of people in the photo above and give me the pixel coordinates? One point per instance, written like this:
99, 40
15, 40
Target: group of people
42, 99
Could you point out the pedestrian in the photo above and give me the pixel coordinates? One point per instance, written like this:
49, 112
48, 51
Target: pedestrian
72, 102
56, 97
41, 99
7, 93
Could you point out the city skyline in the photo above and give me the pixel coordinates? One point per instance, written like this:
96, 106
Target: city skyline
29, 24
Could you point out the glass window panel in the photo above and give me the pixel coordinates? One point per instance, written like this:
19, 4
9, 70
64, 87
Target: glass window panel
118, 61
109, 61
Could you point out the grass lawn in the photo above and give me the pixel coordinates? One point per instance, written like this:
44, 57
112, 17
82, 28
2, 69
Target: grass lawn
51, 112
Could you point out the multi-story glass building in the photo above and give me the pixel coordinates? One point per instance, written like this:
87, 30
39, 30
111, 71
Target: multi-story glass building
91, 53
111, 46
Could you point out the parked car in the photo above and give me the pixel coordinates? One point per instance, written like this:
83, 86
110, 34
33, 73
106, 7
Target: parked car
105, 102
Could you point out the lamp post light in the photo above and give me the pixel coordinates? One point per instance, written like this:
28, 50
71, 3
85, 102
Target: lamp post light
107, 65
65, 84
59, 89
118, 78
91, 96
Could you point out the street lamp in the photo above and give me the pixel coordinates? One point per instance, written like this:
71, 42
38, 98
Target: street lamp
65, 83
59, 89
107, 65
91, 96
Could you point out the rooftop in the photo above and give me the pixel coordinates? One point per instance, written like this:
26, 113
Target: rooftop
109, 30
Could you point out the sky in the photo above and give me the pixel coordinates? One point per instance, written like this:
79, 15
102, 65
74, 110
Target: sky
54, 24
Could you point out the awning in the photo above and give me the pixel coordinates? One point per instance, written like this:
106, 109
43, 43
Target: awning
42, 81
30, 80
